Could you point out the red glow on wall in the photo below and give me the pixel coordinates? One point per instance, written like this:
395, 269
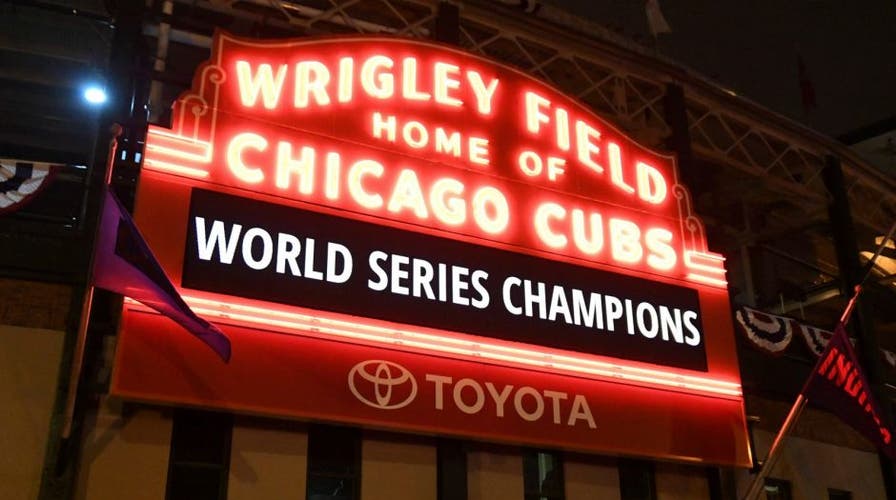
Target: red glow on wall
306, 322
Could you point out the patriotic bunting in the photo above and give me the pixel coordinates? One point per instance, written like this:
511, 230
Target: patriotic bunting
767, 332
20, 181
772, 334
816, 339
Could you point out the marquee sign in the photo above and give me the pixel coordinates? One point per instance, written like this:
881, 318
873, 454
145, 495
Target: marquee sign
405, 197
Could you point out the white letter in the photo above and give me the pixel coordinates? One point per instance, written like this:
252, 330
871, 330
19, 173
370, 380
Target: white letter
383, 279
616, 168
505, 289
534, 116
399, 273
478, 148
415, 134
585, 148
267, 248
555, 398
662, 255
559, 305
262, 81
439, 382
310, 272
387, 125
651, 184
459, 400
478, 277
303, 167
484, 94
226, 248
596, 227
532, 298
356, 173
543, 229
646, 309
590, 314
580, 411
518, 403
409, 81
288, 248
445, 83
346, 72
448, 144
312, 77
482, 199
694, 337
376, 84
235, 160
500, 399
614, 311
458, 285
407, 194
625, 241
421, 278
671, 323
334, 250
447, 205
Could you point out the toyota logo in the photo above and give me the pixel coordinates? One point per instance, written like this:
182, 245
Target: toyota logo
382, 384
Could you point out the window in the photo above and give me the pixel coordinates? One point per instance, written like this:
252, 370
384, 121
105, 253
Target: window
543, 476
451, 458
199, 459
777, 489
834, 494
636, 480
334, 463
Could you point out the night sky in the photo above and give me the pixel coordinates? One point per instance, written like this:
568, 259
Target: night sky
849, 50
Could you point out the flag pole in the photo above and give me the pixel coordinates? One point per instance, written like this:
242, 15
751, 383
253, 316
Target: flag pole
795, 411
87, 303
800, 403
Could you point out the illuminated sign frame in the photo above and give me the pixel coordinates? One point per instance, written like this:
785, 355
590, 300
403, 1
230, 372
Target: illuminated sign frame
423, 140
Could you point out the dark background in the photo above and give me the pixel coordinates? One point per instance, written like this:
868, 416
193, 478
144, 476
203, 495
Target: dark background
849, 50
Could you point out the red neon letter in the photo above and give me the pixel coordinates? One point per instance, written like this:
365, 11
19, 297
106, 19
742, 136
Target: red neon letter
251, 175
543, 213
625, 241
263, 81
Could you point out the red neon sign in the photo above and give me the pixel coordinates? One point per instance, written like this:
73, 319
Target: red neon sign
427, 137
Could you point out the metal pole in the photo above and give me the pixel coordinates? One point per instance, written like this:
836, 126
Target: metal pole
773, 453
86, 305
795, 411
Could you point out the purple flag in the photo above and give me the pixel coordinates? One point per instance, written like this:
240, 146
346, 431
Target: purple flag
838, 384
124, 264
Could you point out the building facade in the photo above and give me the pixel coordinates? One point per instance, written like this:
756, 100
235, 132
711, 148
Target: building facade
137, 407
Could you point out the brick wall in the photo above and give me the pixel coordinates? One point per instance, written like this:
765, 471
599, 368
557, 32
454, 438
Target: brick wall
34, 304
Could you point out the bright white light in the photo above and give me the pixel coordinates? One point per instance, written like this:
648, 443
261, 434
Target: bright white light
95, 95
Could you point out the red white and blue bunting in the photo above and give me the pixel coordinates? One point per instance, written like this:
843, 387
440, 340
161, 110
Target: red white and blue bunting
772, 334
767, 332
816, 339
20, 181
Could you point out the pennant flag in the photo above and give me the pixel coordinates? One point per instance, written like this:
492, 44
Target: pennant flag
124, 264
655, 19
839, 385
20, 181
